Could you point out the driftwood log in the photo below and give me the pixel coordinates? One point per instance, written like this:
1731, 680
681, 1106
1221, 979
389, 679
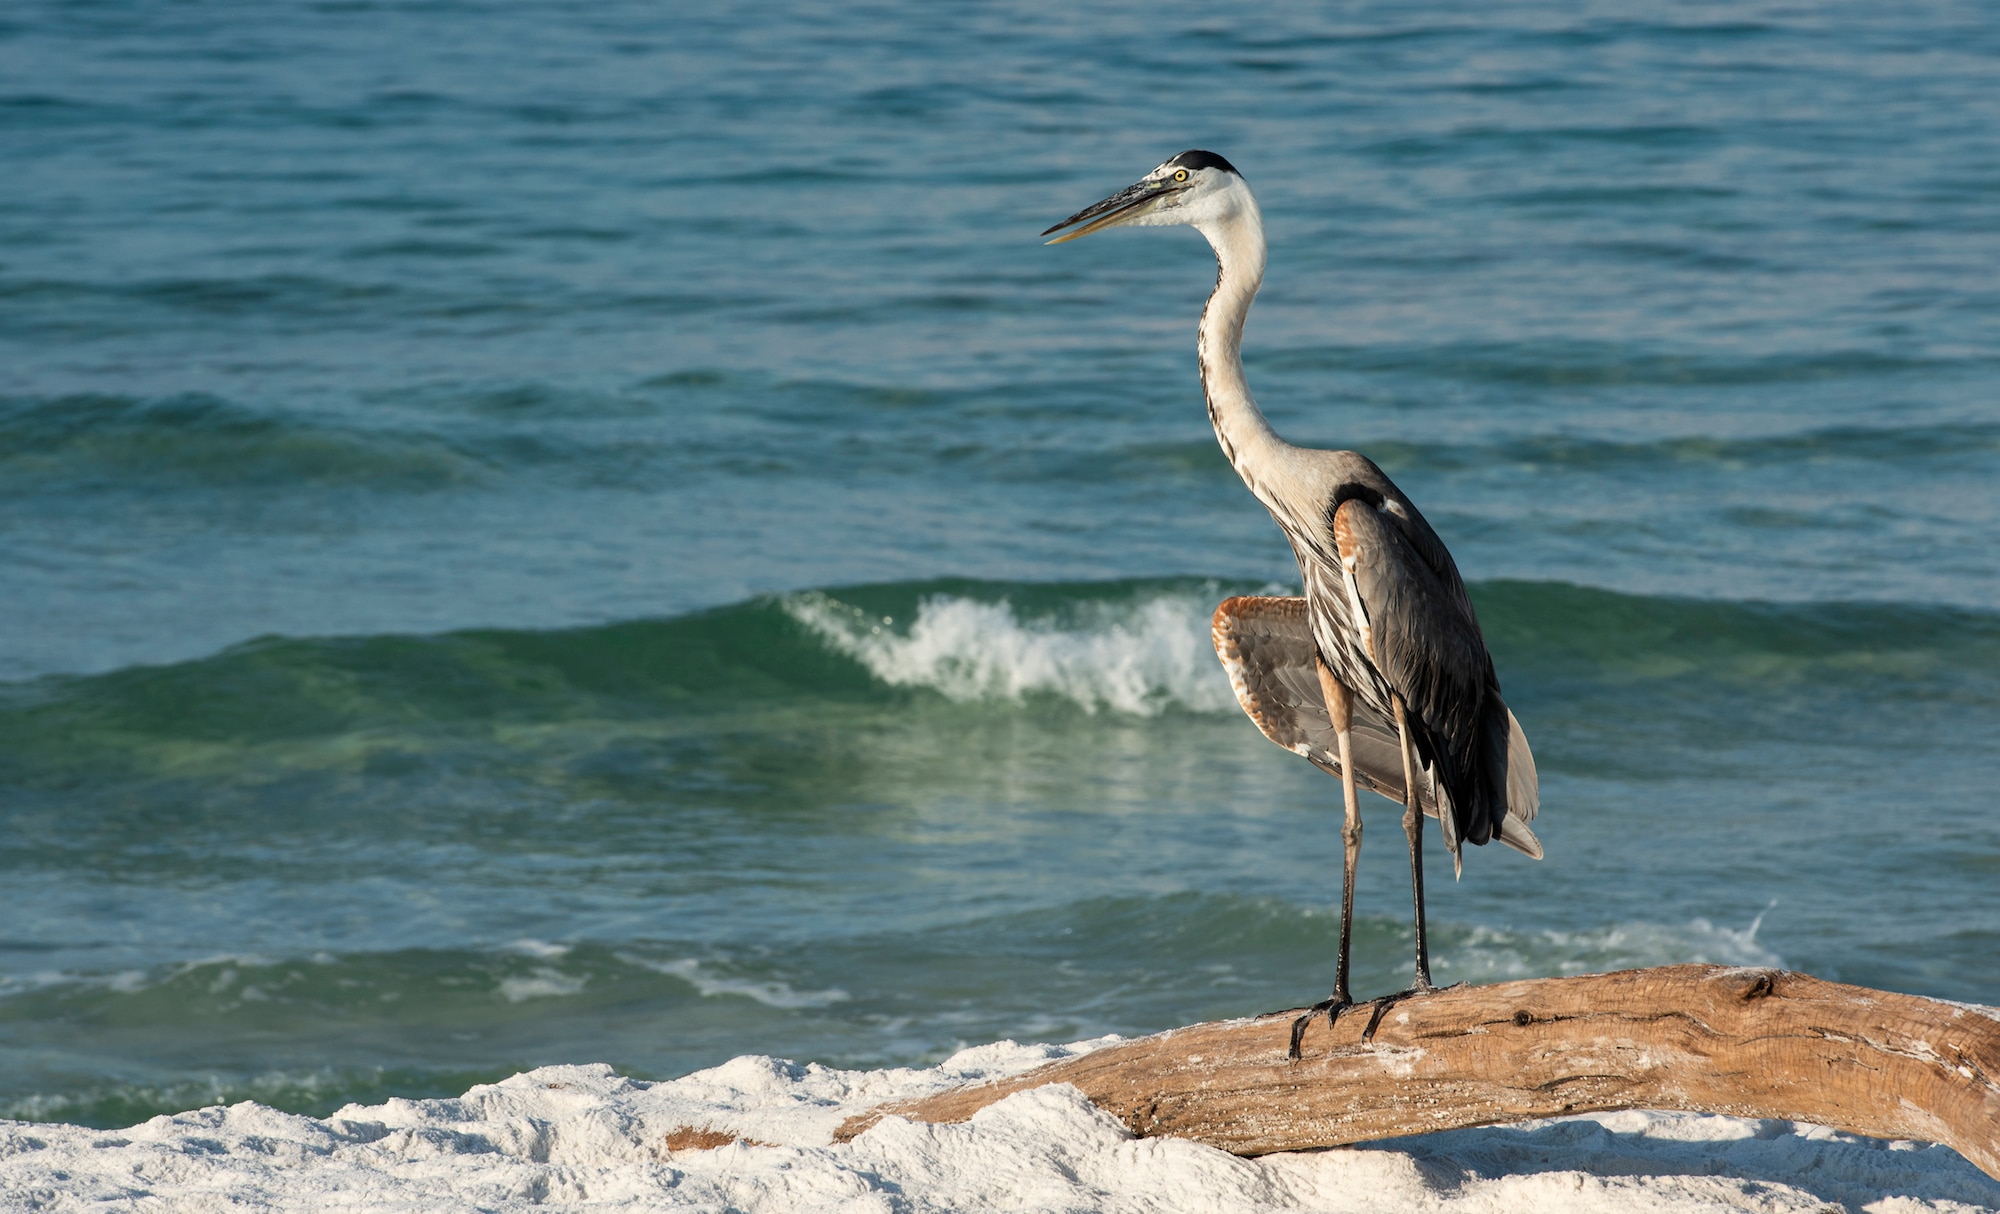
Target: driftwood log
1700, 1038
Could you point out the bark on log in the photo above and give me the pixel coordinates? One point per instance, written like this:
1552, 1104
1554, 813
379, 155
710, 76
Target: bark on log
1707, 1039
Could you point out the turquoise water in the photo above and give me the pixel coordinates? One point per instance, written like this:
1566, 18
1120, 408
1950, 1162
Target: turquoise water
597, 535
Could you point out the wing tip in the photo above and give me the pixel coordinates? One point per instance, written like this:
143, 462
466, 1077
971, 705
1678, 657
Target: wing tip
1515, 834
1524, 790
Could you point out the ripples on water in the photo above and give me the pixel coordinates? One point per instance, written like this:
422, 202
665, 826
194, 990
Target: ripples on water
541, 366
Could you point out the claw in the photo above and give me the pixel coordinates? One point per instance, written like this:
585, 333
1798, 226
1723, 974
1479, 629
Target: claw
1385, 1002
1332, 1007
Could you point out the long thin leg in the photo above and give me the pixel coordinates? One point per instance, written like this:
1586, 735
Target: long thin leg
1340, 709
1413, 826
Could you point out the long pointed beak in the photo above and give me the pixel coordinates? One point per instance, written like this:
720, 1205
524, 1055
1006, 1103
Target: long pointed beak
1119, 208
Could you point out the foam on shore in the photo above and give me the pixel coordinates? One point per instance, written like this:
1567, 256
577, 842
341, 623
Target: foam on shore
583, 1137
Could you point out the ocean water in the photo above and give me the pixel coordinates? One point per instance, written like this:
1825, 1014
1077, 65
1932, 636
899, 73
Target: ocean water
536, 535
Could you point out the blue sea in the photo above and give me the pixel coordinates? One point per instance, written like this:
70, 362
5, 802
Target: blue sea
573, 533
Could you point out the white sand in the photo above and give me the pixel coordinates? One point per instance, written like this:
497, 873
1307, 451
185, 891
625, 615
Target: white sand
581, 1137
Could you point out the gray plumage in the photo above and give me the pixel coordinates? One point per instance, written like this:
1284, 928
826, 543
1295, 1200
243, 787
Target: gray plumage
1392, 618
1379, 673
1267, 648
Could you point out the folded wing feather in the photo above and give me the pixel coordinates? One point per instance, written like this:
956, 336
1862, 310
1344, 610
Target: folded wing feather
1267, 648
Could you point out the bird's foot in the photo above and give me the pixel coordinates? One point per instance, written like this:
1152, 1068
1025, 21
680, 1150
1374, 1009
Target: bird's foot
1385, 1002
1333, 1007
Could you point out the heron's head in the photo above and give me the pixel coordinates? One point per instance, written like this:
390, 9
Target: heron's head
1196, 189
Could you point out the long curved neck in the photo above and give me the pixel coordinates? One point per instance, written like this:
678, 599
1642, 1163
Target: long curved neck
1253, 448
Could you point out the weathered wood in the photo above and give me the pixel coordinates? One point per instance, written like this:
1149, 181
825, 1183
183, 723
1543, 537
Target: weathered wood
1708, 1039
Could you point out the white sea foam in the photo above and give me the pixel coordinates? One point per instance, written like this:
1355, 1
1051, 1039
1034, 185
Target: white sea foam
1139, 657
1489, 953
582, 1137
228, 967
39, 980
543, 983
539, 948
711, 985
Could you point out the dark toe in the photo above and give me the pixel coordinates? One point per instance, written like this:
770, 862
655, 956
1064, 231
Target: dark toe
1332, 1007
1383, 1004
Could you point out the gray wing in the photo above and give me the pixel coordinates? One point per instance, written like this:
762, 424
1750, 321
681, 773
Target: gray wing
1267, 648
1420, 633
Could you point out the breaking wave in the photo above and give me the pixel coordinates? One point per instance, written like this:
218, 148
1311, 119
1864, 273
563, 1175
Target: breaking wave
1142, 656
1127, 647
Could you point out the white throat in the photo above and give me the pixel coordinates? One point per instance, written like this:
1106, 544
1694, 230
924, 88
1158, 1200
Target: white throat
1235, 230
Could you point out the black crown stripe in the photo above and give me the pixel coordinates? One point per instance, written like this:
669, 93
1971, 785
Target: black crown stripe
1197, 159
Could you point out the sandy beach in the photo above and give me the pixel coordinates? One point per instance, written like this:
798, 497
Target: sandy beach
585, 1138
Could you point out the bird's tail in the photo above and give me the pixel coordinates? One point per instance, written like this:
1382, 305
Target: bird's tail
1448, 822
1524, 795
1503, 796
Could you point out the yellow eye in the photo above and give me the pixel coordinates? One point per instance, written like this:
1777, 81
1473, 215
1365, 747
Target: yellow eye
1180, 174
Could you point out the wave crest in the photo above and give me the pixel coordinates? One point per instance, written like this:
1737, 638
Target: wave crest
1142, 656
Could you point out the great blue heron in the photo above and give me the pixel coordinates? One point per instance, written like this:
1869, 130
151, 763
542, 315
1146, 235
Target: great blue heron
1383, 653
